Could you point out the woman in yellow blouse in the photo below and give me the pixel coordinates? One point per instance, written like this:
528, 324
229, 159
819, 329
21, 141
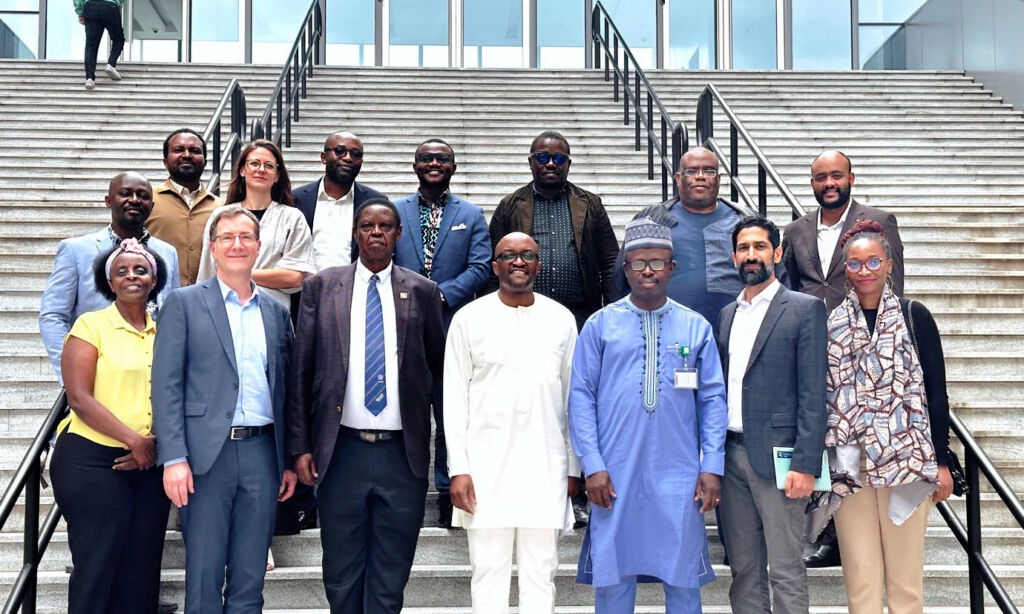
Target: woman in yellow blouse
103, 472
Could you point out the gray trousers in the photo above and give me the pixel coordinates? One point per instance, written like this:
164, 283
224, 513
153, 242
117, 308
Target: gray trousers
765, 534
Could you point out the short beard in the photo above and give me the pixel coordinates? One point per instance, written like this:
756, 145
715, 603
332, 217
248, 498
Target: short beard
184, 178
755, 276
343, 180
844, 197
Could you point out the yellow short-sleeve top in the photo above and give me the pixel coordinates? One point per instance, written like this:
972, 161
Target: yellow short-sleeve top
123, 368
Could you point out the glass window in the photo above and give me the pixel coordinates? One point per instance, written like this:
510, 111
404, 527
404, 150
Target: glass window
753, 35
882, 47
19, 5
492, 33
351, 32
887, 11
691, 35
418, 33
821, 34
19, 35
275, 24
65, 37
635, 20
560, 34
217, 31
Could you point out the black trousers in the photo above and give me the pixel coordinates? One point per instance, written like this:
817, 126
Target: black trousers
100, 15
371, 509
116, 523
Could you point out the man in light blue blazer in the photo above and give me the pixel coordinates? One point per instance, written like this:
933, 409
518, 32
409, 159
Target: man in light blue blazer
446, 240
70, 291
220, 368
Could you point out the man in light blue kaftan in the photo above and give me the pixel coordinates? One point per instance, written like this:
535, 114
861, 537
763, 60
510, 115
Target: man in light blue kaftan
649, 428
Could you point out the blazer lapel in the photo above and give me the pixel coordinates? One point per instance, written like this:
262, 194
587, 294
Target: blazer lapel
400, 290
219, 315
451, 211
726, 330
271, 335
771, 317
343, 307
853, 216
811, 236
412, 213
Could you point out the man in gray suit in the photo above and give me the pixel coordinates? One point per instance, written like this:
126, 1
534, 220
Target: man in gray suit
810, 246
772, 344
219, 375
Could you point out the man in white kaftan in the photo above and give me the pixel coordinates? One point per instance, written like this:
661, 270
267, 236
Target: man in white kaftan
506, 379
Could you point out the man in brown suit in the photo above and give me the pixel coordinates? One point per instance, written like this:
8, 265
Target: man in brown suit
181, 205
808, 240
369, 347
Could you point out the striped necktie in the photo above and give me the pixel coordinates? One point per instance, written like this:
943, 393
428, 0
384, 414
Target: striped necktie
375, 384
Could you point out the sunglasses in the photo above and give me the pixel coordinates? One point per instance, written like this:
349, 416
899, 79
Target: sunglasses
524, 256
639, 265
427, 158
543, 157
872, 264
355, 154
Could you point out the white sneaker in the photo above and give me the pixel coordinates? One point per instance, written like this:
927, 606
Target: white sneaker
112, 73
89, 84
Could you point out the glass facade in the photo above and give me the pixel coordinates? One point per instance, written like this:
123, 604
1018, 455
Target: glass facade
670, 34
754, 35
691, 32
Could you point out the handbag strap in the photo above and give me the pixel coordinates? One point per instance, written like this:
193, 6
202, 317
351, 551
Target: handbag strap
908, 315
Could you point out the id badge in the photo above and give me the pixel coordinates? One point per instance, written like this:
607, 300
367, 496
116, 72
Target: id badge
686, 379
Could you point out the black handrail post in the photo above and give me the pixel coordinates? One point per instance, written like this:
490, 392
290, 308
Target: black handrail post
705, 118
974, 548
762, 190
664, 171
678, 144
734, 159
625, 91
217, 154
636, 108
650, 141
31, 537
608, 59
615, 58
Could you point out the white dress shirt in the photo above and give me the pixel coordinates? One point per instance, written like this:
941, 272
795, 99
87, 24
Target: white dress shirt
745, 325
332, 225
354, 413
187, 195
828, 237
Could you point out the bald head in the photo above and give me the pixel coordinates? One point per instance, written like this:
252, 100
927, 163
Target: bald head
698, 180
515, 242
124, 176
341, 134
342, 158
832, 157
130, 200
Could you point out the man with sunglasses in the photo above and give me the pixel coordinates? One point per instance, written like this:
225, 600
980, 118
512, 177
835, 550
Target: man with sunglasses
575, 237
446, 241
328, 202
647, 418
506, 380
814, 262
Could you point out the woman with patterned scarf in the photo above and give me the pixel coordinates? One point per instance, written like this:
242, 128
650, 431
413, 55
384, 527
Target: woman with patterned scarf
889, 427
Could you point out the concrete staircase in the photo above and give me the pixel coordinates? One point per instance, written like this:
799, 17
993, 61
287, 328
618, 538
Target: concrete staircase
936, 148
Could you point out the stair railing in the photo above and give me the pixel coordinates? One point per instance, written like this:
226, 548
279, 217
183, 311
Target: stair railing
235, 96
607, 42
35, 538
980, 574
283, 106
706, 137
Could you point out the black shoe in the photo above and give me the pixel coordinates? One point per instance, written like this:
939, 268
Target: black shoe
444, 509
581, 514
166, 607
827, 555
307, 520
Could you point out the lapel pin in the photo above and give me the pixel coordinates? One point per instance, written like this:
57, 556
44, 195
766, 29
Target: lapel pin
403, 295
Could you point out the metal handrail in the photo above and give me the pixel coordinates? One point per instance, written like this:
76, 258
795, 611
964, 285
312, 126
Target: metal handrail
234, 95
610, 41
980, 574
27, 480
292, 81
705, 136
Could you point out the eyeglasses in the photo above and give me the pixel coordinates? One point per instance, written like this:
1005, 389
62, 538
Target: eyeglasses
427, 158
639, 265
872, 264
709, 171
255, 165
247, 239
543, 157
355, 154
524, 256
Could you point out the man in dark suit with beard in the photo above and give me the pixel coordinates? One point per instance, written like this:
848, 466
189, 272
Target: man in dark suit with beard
369, 349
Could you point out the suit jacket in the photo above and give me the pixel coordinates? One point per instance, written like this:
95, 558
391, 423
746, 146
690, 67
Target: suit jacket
305, 199
195, 378
596, 245
800, 254
462, 253
784, 384
317, 388
71, 290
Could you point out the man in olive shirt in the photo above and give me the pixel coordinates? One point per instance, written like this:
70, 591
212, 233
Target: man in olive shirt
181, 205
